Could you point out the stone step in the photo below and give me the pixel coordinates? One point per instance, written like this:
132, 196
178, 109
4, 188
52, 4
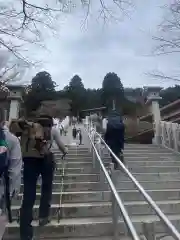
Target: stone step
75, 158
126, 154
77, 177
78, 149
142, 237
87, 167
144, 158
126, 151
129, 162
89, 227
139, 176
143, 146
70, 148
85, 186
80, 170
127, 158
154, 169
140, 151
72, 155
71, 164
86, 207
81, 186
162, 176
99, 238
152, 163
72, 186
139, 145
127, 147
136, 169
93, 238
159, 184
133, 169
99, 196
102, 209
162, 153
87, 170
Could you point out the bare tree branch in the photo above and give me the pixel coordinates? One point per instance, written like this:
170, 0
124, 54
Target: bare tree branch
168, 38
6, 70
169, 31
22, 22
162, 76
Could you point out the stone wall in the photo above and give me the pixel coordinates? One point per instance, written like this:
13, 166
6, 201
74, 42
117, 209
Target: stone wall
134, 126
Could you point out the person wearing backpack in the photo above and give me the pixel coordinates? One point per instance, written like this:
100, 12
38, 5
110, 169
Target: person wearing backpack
74, 132
79, 133
36, 142
10, 173
114, 136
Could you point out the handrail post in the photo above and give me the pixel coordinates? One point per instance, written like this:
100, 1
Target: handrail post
117, 204
98, 144
97, 164
92, 150
149, 231
115, 209
93, 159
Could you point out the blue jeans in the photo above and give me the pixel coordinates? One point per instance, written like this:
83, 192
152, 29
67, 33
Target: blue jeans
33, 167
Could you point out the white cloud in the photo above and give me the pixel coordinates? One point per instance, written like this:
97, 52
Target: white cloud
123, 47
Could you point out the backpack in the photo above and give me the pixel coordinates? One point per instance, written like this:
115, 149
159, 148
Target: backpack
4, 175
115, 123
35, 134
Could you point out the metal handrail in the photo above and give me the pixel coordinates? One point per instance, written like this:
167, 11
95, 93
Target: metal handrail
120, 204
62, 187
172, 230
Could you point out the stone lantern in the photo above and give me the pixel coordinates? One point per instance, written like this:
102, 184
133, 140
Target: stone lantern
153, 97
10, 100
15, 99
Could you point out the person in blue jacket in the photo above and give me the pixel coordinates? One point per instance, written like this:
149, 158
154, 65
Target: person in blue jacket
114, 135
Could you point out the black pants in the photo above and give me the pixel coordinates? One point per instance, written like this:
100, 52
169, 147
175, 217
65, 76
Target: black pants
33, 167
80, 139
118, 153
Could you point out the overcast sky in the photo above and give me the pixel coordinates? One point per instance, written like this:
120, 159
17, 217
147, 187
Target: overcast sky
124, 48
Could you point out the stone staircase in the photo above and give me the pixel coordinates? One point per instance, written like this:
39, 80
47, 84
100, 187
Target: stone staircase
85, 212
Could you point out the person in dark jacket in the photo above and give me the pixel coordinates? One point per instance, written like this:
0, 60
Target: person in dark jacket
80, 136
74, 132
114, 135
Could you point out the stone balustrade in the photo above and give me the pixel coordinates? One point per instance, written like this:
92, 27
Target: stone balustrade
169, 135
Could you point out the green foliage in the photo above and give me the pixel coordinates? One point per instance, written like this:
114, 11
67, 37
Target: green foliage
170, 94
43, 82
93, 98
129, 101
112, 90
42, 88
76, 92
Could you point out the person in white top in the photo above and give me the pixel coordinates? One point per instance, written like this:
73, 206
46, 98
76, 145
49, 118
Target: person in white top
14, 172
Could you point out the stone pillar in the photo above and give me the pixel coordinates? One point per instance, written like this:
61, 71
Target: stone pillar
153, 98
14, 108
14, 99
